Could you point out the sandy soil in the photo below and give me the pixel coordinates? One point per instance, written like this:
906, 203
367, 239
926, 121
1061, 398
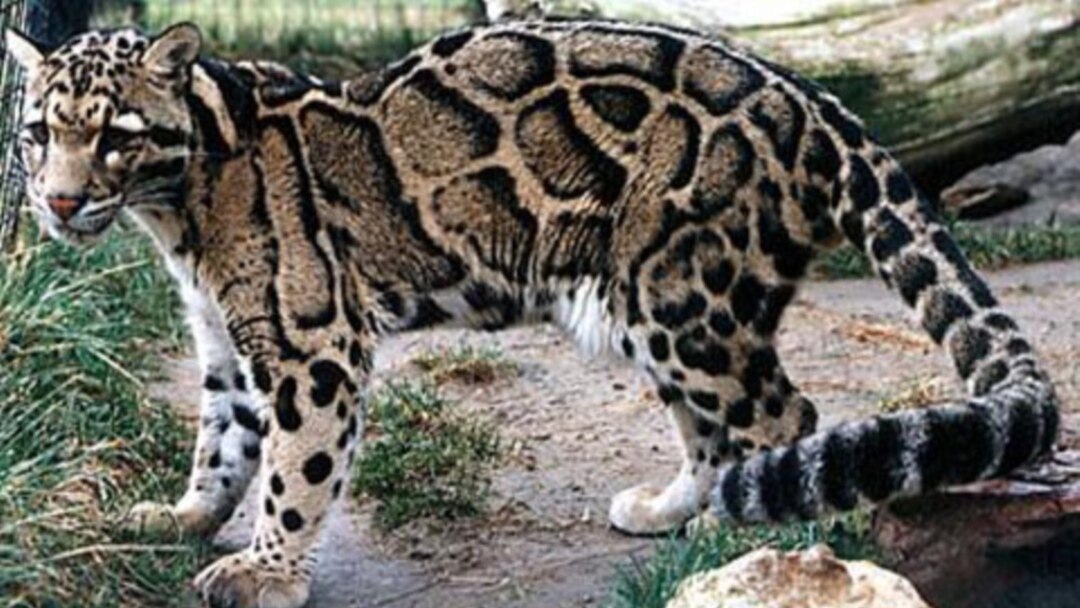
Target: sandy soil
578, 431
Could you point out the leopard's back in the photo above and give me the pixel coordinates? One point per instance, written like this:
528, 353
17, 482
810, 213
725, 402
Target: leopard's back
656, 192
533, 155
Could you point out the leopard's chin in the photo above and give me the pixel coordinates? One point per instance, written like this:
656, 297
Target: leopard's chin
77, 235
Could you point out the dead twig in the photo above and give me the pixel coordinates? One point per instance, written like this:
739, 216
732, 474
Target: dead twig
114, 548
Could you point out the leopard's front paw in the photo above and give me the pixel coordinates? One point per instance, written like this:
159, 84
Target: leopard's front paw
238, 581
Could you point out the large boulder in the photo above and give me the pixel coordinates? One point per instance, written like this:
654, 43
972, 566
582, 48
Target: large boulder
1037, 188
768, 578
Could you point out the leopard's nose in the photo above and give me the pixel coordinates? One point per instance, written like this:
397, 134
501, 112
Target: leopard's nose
66, 207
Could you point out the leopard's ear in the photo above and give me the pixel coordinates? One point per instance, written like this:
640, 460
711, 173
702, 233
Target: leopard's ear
173, 51
27, 53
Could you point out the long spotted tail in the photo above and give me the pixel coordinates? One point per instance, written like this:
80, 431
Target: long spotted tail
1010, 419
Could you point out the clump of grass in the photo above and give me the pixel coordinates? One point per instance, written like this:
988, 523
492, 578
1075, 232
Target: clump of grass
653, 582
999, 248
986, 248
466, 365
79, 440
423, 459
919, 394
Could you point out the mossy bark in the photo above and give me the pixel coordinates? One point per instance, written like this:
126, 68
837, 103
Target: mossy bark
949, 85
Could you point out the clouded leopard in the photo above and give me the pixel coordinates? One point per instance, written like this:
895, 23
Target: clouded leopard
655, 192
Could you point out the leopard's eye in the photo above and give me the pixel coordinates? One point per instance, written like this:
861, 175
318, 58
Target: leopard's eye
38, 132
117, 140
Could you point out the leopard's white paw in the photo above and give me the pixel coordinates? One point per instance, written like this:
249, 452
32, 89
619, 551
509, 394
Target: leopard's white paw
188, 518
151, 519
648, 510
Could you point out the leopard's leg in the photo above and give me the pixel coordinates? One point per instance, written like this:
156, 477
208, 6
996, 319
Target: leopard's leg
231, 427
721, 413
306, 455
652, 509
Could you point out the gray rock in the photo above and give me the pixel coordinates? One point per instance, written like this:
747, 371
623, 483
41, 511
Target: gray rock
1050, 176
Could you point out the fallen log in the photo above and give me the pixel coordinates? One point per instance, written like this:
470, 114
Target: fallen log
949, 85
1011, 542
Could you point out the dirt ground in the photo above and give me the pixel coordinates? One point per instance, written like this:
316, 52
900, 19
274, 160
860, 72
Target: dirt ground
577, 431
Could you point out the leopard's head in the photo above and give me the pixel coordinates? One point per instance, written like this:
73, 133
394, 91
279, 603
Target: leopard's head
105, 125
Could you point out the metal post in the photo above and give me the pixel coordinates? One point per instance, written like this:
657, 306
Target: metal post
12, 14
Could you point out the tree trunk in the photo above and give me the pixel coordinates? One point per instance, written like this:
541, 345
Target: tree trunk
54, 21
948, 85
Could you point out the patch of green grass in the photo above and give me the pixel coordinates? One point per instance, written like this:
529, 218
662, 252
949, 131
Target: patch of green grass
987, 249
79, 440
653, 582
422, 458
465, 365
